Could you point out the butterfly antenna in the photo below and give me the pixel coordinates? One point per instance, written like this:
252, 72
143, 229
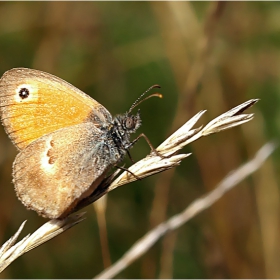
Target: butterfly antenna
138, 101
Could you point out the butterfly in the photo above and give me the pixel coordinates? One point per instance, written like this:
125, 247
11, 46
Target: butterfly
67, 141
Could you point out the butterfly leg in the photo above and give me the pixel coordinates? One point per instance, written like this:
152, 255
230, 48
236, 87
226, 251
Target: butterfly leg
130, 157
149, 143
125, 169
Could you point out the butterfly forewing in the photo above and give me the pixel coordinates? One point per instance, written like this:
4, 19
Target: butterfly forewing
35, 103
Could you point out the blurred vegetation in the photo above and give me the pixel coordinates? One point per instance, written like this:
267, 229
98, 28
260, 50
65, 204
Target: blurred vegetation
205, 55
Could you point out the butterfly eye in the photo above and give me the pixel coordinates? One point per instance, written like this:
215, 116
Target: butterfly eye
130, 123
23, 93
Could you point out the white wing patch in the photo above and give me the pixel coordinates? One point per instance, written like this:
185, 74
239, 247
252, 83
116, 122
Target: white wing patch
46, 161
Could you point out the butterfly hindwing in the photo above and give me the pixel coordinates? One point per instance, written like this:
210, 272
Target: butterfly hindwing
60, 173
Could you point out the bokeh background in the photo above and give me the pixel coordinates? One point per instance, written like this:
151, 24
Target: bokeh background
205, 55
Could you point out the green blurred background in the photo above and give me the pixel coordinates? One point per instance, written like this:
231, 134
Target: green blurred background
205, 55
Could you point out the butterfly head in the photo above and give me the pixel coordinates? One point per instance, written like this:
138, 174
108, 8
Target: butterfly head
129, 122
124, 125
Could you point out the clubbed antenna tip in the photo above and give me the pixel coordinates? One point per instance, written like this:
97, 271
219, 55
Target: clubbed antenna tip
138, 100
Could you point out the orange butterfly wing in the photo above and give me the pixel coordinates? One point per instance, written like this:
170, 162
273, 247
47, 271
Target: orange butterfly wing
34, 103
